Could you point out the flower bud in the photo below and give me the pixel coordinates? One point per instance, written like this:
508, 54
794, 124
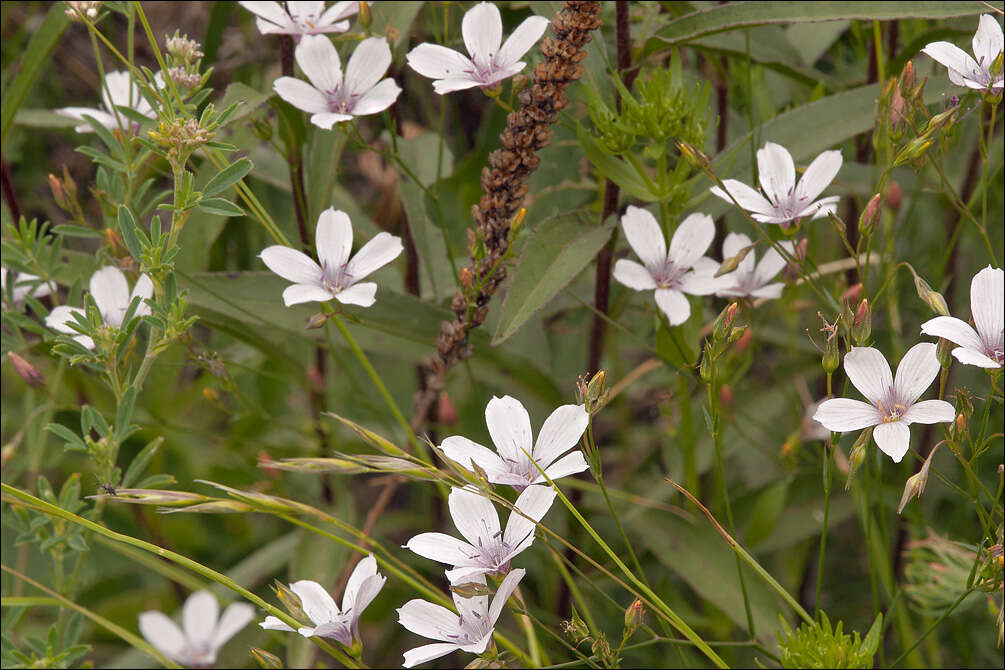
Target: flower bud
894, 196
470, 590
726, 397
724, 322
57, 191
907, 78
694, 157
265, 659
794, 268
317, 321
944, 352
707, 368
594, 394
831, 359
838, 224
633, 617
869, 215
915, 149
517, 220
932, 298
862, 325
744, 341
365, 16
290, 600
857, 455
915, 484
446, 414
28, 372
76, 9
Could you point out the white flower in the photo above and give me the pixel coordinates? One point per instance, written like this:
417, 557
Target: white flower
674, 272
750, 280
25, 285
343, 625
893, 403
331, 98
786, 202
337, 277
489, 63
302, 18
509, 426
982, 347
469, 630
203, 634
118, 91
964, 70
110, 291
487, 550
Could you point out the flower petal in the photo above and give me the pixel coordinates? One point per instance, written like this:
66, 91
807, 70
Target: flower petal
702, 280
482, 31
327, 120
427, 652
103, 118
748, 198
987, 303
333, 239
442, 548
315, 600
820, 208
819, 175
917, 370
475, 517
988, 41
842, 415
368, 590
429, 620
567, 465
367, 66
464, 451
970, 357
234, 618
560, 433
317, 57
769, 291
163, 633
439, 62
144, 290
954, 330
61, 317
509, 426
776, 172
645, 237
522, 39
272, 12
674, 305
301, 95
869, 372
274, 623
378, 98
930, 411
633, 275
893, 439
291, 265
301, 293
339, 11
111, 292
367, 567
772, 263
952, 57
376, 253
534, 503
199, 616
444, 86
691, 239
505, 590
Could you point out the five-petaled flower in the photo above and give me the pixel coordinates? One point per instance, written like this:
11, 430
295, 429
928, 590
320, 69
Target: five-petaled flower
784, 201
489, 63
893, 402
750, 279
329, 621
203, 631
672, 272
984, 346
966, 71
520, 460
488, 549
330, 97
119, 90
110, 291
469, 630
338, 276
24, 285
301, 18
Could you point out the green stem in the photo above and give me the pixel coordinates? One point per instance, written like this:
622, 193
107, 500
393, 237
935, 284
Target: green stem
827, 472
942, 617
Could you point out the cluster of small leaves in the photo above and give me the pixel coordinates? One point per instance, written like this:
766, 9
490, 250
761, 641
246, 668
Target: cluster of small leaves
52, 652
821, 646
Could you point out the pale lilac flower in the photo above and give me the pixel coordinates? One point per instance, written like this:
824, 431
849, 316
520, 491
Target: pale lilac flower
674, 272
338, 276
119, 90
966, 71
488, 550
489, 63
329, 621
330, 97
110, 291
25, 285
301, 18
893, 403
203, 631
750, 280
469, 630
786, 202
509, 426
983, 346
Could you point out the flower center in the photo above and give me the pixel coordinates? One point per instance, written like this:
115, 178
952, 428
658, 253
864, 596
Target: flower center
336, 280
669, 275
894, 413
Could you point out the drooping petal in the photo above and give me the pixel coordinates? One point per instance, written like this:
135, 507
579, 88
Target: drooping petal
327, 120
317, 57
163, 633
645, 237
297, 294
561, 431
748, 198
954, 330
376, 253
674, 305
367, 567
301, 95
442, 548
819, 175
929, 411
988, 41
842, 415
439, 62
429, 620
367, 66
274, 623
475, 517
893, 439
317, 603
427, 652
110, 291
776, 171
291, 265
482, 31
522, 39
917, 370
502, 594
378, 98
987, 302
333, 238
199, 616
971, 357
869, 372
633, 275
234, 618
567, 465
534, 503
464, 451
691, 239
509, 426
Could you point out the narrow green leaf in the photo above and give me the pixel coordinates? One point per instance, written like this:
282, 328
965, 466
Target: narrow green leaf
220, 206
139, 464
129, 230
618, 171
227, 177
